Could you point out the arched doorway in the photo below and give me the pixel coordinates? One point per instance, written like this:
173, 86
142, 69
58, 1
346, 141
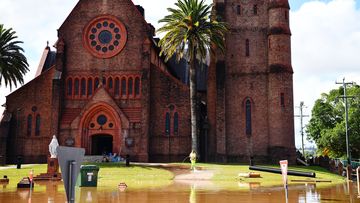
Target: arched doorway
101, 144
100, 129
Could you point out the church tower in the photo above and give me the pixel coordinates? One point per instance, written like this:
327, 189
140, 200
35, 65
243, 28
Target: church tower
250, 90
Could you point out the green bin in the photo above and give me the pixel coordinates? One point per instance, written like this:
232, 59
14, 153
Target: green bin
88, 176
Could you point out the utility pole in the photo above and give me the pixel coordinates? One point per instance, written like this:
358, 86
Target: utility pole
301, 107
345, 97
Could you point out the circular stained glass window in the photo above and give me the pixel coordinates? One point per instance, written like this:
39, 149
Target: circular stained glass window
101, 119
105, 36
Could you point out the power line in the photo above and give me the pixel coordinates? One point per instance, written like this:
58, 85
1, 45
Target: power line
345, 97
301, 107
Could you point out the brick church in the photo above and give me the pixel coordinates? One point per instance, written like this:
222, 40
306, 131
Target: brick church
105, 88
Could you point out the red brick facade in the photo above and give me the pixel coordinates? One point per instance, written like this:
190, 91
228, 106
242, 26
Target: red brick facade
109, 91
250, 90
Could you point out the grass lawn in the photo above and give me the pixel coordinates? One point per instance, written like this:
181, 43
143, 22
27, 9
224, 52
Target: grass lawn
225, 176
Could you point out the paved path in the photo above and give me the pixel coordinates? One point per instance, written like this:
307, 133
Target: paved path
195, 175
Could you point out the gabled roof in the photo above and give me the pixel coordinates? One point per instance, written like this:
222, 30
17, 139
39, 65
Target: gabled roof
47, 61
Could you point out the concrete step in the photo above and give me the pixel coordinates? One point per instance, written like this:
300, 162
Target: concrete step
93, 159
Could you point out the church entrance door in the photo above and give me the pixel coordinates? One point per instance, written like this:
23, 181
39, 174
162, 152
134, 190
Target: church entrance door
101, 144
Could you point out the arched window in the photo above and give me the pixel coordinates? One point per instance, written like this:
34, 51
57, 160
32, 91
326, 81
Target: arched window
29, 125
248, 116
255, 8
247, 47
90, 87
117, 87
69, 87
137, 86
83, 87
269, 43
104, 81
282, 99
110, 83
76, 87
123, 86
130, 87
96, 83
176, 123
167, 124
238, 9
37, 125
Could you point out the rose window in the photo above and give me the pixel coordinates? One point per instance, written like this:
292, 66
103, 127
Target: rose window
105, 36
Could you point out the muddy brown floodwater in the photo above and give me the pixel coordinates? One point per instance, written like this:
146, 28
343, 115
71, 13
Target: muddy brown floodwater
184, 191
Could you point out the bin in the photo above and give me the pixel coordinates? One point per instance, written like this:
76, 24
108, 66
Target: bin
88, 176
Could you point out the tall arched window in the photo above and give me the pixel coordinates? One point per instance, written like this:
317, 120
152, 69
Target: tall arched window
176, 123
90, 87
282, 99
76, 87
69, 87
29, 125
248, 116
238, 9
96, 83
255, 9
117, 87
83, 87
247, 47
37, 125
130, 87
167, 124
110, 83
123, 86
137, 86
104, 81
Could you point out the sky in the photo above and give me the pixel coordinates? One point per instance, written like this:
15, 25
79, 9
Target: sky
325, 40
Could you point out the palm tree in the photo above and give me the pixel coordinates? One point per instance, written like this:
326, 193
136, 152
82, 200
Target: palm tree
13, 64
190, 32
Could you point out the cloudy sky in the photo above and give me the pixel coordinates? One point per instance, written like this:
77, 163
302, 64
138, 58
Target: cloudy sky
325, 40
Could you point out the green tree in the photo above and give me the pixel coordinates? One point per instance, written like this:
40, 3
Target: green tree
327, 123
190, 32
13, 64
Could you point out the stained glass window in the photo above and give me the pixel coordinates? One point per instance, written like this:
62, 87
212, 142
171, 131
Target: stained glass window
37, 126
247, 47
167, 124
176, 123
83, 87
248, 116
137, 86
76, 87
117, 86
123, 87
110, 83
130, 86
29, 125
69, 87
90, 86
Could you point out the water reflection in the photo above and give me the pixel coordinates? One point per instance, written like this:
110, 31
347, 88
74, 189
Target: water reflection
185, 191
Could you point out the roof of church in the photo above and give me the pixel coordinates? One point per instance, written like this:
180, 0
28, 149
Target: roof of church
47, 61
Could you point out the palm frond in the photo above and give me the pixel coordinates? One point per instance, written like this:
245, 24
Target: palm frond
13, 63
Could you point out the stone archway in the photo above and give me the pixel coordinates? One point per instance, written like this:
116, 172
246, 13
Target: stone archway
100, 123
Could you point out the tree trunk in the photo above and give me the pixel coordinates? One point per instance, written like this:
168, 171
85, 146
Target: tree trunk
193, 104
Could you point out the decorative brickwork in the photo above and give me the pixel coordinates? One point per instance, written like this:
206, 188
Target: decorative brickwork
109, 91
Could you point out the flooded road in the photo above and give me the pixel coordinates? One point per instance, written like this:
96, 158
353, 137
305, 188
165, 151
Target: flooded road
196, 192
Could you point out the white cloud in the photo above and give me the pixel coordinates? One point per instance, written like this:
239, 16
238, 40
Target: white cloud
325, 47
